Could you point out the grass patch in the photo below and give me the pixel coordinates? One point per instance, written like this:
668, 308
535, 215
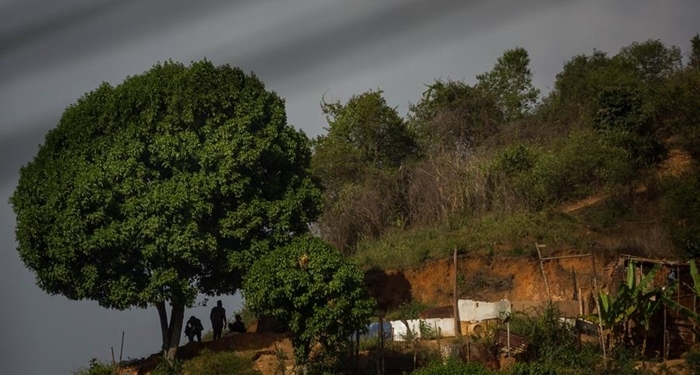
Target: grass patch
407, 311
411, 248
221, 363
96, 368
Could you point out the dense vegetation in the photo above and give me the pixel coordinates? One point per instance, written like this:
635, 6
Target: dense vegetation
475, 166
315, 291
472, 165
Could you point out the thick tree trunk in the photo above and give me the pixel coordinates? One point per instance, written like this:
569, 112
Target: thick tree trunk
163, 315
177, 315
171, 330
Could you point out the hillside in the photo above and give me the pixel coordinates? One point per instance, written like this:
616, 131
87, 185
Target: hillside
608, 156
606, 163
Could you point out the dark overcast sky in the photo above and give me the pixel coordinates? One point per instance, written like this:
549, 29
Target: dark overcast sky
51, 52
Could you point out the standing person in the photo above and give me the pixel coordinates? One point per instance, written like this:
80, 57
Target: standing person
194, 329
218, 319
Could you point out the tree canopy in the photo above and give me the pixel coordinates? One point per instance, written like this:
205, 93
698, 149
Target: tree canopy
363, 133
453, 116
168, 184
310, 286
511, 81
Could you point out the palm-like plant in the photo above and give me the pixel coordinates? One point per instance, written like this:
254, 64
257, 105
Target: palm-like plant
633, 302
695, 288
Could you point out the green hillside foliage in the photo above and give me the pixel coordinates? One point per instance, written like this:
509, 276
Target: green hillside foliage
493, 165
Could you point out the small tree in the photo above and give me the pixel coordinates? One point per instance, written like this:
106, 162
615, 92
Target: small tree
363, 133
511, 81
367, 141
453, 116
622, 121
165, 186
633, 301
311, 287
653, 59
694, 61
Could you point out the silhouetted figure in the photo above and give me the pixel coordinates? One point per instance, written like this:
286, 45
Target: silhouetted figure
218, 319
193, 329
237, 326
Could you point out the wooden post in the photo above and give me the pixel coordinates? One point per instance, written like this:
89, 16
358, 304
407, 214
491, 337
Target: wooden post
678, 290
381, 343
121, 351
114, 364
455, 302
546, 284
695, 298
597, 304
665, 336
508, 340
357, 352
580, 302
469, 349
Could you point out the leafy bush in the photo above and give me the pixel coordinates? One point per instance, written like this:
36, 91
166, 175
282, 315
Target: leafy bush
574, 168
681, 207
533, 368
221, 363
96, 368
410, 310
607, 213
515, 159
453, 367
692, 360
168, 368
545, 332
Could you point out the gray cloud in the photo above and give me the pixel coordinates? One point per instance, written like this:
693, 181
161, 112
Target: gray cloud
92, 29
16, 149
41, 27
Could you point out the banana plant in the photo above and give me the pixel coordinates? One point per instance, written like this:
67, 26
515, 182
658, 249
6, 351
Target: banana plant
633, 301
695, 288
649, 299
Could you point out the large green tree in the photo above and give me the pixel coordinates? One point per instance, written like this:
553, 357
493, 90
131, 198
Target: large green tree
312, 288
167, 185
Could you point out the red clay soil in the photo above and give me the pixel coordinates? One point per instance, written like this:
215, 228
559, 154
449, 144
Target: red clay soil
516, 279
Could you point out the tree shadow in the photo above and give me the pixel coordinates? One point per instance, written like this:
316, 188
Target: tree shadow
390, 289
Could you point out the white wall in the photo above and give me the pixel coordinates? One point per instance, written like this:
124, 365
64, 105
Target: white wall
474, 311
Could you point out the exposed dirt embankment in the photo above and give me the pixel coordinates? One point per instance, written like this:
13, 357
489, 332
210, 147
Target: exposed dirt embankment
490, 279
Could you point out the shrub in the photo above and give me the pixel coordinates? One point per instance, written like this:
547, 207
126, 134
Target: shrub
533, 368
550, 339
409, 310
681, 206
221, 363
453, 367
574, 168
96, 368
692, 360
515, 159
168, 368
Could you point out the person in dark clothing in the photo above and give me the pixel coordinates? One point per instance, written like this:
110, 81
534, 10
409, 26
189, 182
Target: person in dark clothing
218, 319
237, 326
193, 329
